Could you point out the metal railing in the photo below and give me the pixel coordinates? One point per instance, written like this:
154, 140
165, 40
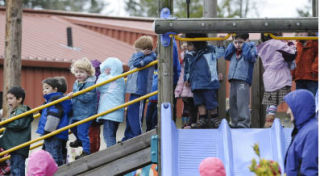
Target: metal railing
202, 38
291, 38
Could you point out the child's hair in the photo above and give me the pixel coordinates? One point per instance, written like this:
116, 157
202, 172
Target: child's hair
268, 37
62, 84
199, 44
18, 92
144, 42
243, 36
53, 82
84, 64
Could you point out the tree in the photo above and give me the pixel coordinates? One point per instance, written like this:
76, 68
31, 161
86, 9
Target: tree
306, 11
226, 8
93, 6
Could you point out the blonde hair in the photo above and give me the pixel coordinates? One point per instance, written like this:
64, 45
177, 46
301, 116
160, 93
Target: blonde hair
84, 64
144, 42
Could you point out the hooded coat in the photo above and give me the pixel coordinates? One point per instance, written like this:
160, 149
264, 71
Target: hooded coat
302, 154
111, 94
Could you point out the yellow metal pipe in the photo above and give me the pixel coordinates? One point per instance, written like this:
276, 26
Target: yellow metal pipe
76, 93
292, 38
34, 116
31, 148
78, 123
202, 38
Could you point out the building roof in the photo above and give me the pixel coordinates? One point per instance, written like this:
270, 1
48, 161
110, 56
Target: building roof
44, 36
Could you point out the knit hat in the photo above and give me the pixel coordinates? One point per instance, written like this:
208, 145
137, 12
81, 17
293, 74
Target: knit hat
212, 166
41, 163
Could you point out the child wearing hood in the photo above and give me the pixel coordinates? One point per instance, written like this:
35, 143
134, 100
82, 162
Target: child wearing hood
302, 154
111, 95
277, 58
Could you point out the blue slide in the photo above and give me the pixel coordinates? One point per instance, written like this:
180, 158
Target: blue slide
182, 150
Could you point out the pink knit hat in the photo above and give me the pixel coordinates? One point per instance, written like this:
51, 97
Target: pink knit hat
41, 163
212, 166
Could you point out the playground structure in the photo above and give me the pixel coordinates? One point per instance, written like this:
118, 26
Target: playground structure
111, 159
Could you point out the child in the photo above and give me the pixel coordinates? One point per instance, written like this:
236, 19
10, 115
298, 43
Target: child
212, 166
302, 155
17, 132
54, 117
276, 77
111, 95
204, 81
189, 114
152, 110
306, 73
94, 130
41, 163
84, 105
242, 56
139, 84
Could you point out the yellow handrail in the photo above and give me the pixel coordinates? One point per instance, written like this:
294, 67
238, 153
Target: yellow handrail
31, 148
78, 123
76, 93
35, 116
202, 38
291, 38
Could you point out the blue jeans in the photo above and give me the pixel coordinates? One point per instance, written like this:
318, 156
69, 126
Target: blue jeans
54, 146
17, 164
109, 132
134, 118
82, 133
312, 86
151, 117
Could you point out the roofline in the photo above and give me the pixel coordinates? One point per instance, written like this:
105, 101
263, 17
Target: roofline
42, 64
79, 14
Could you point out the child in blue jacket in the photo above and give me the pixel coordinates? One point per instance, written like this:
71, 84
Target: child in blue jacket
203, 78
111, 95
54, 117
84, 105
139, 84
242, 56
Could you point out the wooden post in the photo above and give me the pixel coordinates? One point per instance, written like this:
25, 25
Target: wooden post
165, 77
257, 90
12, 53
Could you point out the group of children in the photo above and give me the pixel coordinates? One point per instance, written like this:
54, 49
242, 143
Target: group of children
198, 84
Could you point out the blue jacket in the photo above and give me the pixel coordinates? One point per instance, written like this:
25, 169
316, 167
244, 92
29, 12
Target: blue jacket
64, 121
154, 85
203, 68
302, 154
242, 68
84, 105
140, 82
111, 94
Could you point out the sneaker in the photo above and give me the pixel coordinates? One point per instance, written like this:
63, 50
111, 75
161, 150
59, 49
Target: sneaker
83, 154
202, 124
75, 144
214, 122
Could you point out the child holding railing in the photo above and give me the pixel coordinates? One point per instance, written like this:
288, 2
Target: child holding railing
54, 117
84, 105
111, 95
17, 132
139, 84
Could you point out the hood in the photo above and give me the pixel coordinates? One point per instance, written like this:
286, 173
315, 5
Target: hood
57, 95
41, 163
302, 105
114, 64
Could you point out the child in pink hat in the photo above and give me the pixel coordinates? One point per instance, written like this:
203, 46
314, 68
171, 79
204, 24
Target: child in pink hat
41, 163
212, 166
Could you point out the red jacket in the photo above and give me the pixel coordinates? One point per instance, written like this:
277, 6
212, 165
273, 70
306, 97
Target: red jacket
307, 61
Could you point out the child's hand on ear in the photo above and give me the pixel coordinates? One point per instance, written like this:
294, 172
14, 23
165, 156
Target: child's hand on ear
147, 52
